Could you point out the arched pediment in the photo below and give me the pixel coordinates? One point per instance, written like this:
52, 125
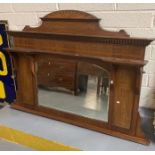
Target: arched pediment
73, 22
70, 14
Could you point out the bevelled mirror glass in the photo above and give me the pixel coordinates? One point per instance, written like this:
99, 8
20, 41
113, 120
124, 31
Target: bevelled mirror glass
75, 87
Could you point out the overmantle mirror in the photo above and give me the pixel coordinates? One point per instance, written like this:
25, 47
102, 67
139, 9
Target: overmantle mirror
66, 89
76, 87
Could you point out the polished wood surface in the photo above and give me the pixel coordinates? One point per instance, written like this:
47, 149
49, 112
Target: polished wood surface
124, 96
76, 36
72, 56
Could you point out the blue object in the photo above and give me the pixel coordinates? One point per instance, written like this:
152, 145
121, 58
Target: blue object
7, 80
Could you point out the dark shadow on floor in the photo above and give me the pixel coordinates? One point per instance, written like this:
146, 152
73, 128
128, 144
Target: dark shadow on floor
1, 106
147, 117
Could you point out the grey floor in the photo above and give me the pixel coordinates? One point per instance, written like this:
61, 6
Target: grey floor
87, 104
5, 145
63, 133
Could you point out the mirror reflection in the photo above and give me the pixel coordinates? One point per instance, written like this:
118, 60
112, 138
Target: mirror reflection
79, 88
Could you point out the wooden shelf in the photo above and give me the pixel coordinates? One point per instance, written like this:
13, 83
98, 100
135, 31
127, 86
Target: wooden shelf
81, 57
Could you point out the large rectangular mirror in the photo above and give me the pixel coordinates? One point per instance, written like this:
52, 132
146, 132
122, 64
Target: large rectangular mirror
75, 87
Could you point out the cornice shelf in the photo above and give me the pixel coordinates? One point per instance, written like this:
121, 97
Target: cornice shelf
80, 37
77, 56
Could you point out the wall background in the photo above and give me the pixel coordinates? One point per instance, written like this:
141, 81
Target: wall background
137, 19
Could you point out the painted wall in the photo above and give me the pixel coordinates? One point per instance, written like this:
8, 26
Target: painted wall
137, 19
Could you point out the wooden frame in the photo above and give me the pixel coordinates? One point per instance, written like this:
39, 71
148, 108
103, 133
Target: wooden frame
76, 35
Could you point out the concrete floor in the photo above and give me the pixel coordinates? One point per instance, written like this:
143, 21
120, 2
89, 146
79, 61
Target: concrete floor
8, 146
63, 133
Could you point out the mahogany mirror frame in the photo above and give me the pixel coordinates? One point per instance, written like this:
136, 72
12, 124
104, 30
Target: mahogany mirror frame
77, 36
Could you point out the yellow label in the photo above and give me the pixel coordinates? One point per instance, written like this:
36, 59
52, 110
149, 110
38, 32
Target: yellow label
2, 91
4, 71
1, 40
